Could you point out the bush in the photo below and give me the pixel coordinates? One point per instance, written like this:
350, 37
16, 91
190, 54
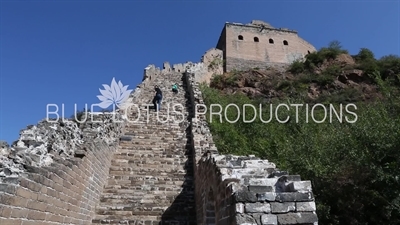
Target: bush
315, 59
297, 67
364, 55
389, 66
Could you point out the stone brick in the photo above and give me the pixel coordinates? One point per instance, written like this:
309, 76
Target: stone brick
54, 218
297, 218
33, 222
294, 197
258, 207
36, 215
7, 188
269, 219
125, 138
25, 193
285, 207
19, 213
268, 196
37, 205
263, 182
10, 221
245, 196
244, 219
301, 186
305, 206
33, 186
16, 201
260, 189
5, 211
239, 207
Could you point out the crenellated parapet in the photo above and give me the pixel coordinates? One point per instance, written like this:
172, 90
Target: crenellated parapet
211, 63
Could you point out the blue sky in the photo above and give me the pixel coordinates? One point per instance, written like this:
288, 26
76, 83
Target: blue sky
61, 52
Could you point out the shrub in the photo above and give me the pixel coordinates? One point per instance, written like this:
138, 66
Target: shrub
365, 55
297, 67
389, 66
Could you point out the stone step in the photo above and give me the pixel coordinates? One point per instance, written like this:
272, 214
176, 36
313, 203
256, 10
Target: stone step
173, 172
145, 220
147, 148
144, 209
133, 129
163, 200
134, 163
151, 174
126, 146
120, 175
130, 154
123, 182
135, 195
157, 183
136, 160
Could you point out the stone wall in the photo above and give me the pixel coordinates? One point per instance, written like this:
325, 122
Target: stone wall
55, 172
211, 63
242, 189
242, 64
65, 192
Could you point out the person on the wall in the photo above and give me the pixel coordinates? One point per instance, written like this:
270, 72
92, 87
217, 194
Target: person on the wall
157, 99
175, 88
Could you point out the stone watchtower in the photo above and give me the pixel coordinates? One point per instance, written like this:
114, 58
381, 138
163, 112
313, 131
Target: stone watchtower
258, 44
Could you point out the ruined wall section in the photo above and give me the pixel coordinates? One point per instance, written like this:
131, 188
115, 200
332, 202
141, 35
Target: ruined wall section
242, 189
55, 172
253, 47
211, 63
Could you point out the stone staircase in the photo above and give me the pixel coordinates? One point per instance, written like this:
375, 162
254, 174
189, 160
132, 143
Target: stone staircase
151, 175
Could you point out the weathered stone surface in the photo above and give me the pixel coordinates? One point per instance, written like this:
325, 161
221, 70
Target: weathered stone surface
293, 178
263, 181
260, 189
297, 218
294, 197
285, 207
125, 138
305, 206
301, 186
245, 196
269, 219
239, 207
244, 219
39, 144
268, 196
257, 207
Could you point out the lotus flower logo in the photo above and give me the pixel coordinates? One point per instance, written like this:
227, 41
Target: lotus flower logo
115, 94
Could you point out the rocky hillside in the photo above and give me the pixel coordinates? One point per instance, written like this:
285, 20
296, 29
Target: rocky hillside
340, 79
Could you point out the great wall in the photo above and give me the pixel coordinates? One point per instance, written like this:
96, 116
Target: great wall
146, 172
